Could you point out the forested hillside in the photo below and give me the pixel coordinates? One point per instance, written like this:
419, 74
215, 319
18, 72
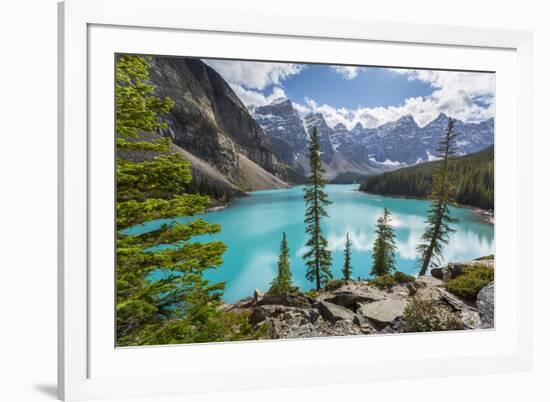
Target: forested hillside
472, 177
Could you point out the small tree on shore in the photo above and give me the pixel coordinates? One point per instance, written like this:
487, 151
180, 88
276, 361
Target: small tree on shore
436, 235
384, 247
318, 258
346, 270
283, 281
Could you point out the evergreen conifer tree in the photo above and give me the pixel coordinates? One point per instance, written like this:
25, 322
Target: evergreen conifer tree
384, 247
318, 258
283, 281
346, 270
438, 229
162, 296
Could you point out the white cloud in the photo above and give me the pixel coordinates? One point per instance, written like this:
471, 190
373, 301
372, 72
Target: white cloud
301, 109
253, 74
349, 73
462, 95
255, 98
465, 96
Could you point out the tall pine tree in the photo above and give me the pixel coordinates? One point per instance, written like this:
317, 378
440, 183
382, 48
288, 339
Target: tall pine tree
346, 269
162, 296
318, 258
436, 235
283, 281
384, 247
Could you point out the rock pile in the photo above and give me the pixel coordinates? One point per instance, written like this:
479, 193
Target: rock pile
358, 307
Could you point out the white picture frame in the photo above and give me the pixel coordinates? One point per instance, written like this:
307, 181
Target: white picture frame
88, 369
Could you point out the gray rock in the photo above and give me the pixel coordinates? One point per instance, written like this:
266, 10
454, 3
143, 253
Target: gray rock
286, 299
303, 331
454, 269
428, 281
486, 305
437, 272
333, 312
258, 294
471, 319
453, 301
383, 312
468, 314
364, 324
350, 299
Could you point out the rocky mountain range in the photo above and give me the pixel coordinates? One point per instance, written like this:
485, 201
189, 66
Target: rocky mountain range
237, 149
213, 128
365, 150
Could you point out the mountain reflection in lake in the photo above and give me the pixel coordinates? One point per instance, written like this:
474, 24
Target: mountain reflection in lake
253, 226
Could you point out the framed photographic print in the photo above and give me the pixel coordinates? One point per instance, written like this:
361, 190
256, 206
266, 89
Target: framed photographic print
241, 201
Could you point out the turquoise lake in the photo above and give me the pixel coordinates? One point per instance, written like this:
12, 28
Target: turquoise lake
252, 229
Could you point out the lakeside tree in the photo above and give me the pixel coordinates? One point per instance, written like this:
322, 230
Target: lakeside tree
346, 269
318, 258
384, 247
162, 296
472, 175
283, 280
438, 229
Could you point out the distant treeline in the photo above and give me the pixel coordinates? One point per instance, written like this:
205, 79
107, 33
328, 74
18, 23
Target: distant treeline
472, 177
348, 178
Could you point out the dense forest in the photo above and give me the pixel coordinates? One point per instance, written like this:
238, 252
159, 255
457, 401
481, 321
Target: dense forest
472, 177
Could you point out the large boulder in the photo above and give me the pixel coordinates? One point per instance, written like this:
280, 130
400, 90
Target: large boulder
332, 312
437, 272
486, 305
258, 295
470, 319
285, 299
454, 269
468, 314
282, 313
383, 312
349, 299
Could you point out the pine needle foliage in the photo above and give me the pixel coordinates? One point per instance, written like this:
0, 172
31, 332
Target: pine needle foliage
318, 258
347, 268
472, 174
384, 247
283, 280
439, 221
162, 296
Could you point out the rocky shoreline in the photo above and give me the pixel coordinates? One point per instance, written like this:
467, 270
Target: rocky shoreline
361, 308
488, 216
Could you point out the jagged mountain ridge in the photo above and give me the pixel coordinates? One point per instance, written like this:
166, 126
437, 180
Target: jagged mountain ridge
280, 117
367, 150
210, 122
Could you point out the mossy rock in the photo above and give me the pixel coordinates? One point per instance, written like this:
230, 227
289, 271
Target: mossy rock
468, 284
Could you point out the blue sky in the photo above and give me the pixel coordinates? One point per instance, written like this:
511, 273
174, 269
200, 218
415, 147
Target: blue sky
370, 88
368, 95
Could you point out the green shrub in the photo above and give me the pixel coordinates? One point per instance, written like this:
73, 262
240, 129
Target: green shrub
487, 257
334, 284
384, 282
471, 281
423, 315
401, 277
312, 294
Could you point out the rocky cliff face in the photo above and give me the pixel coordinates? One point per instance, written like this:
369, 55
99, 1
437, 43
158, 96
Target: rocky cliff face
316, 120
286, 129
209, 121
